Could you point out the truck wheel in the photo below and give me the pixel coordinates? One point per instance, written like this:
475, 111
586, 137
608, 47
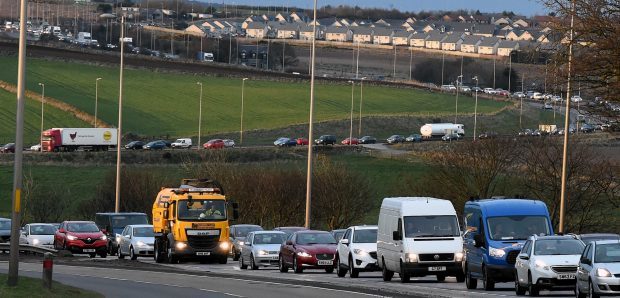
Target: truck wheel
172, 259
470, 282
159, 256
223, 259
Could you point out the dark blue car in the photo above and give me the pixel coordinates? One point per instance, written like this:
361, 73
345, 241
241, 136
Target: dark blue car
155, 145
285, 142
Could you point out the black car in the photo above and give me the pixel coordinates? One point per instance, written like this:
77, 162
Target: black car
395, 139
114, 223
134, 145
487, 135
8, 148
367, 140
326, 140
237, 237
155, 145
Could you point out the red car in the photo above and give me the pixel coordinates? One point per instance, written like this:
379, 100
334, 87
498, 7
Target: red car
302, 141
214, 144
81, 237
308, 250
352, 141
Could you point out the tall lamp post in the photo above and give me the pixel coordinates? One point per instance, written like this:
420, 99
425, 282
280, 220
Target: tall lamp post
242, 93
117, 200
476, 108
96, 98
199, 114
456, 109
351, 129
311, 122
42, 104
359, 132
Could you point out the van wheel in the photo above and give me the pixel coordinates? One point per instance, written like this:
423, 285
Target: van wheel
386, 274
470, 282
460, 277
339, 269
441, 277
487, 282
404, 275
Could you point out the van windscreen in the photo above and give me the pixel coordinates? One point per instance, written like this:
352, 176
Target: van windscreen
431, 226
517, 227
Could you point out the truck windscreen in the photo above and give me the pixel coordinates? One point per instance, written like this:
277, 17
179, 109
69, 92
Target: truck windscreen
202, 210
517, 227
431, 226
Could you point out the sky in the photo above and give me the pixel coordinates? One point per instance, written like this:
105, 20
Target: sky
521, 7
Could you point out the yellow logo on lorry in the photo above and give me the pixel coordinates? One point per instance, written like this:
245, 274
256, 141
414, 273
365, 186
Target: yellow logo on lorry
107, 135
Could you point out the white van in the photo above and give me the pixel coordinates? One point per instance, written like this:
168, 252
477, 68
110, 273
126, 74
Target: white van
419, 236
182, 143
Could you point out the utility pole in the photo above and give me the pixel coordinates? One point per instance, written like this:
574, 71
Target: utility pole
456, 111
476, 108
120, 121
357, 64
351, 129
443, 59
310, 123
242, 94
410, 62
42, 105
509, 70
394, 71
567, 121
199, 115
96, 98
494, 61
19, 147
359, 133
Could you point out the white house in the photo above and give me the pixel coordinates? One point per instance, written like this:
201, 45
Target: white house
470, 43
452, 42
382, 36
362, 35
401, 38
257, 30
434, 40
305, 32
488, 46
342, 34
506, 47
418, 40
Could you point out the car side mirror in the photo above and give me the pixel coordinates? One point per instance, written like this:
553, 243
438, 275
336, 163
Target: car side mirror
344, 241
524, 257
396, 236
289, 242
586, 261
478, 240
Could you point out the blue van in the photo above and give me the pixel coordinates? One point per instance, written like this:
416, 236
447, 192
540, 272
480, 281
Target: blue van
495, 230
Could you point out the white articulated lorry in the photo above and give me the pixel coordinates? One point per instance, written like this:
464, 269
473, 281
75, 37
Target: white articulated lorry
430, 130
71, 139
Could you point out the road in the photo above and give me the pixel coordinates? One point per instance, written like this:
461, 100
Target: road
132, 283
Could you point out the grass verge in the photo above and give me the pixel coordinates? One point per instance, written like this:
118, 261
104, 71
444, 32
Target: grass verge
33, 287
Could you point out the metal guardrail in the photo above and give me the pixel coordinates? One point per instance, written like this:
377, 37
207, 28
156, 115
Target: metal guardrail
28, 248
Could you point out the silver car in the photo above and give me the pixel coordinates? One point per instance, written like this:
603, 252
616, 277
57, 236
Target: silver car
136, 241
599, 269
261, 249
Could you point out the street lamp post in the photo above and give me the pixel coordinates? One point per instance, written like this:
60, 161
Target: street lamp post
96, 98
311, 120
351, 129
476, 108
242, 93
456, 111
199, 115
42, 104
120, 121
359, 133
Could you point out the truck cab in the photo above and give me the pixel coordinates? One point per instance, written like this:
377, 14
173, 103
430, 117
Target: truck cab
494, 233
192, 222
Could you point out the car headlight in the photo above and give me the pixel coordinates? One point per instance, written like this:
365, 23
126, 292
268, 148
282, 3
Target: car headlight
104, 237
541, 264
181, 245
411, 258
241, 242
360, 252
262, 252
458, 257
71, 237
140, 243
602, 272
304, 254
224, 245
497, 252
35, 241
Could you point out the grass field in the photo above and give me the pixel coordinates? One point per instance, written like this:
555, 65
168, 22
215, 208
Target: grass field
32, 121
33, 287
156, 104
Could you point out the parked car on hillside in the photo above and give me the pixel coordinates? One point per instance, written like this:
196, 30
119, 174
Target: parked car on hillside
308, 250
586, 128
463, 88
134, 145
302, 142
451, 137
325, 140
487, 135
238, 234
598, 273
367, 140
576, 98
81, 237
414, 138
155, 145
261, 249
537, 96
228, 143
518, 95
214, 144
8, 148
285, 142
547, 106
395, 139
136, 241
352, 141
489, 91
448, 88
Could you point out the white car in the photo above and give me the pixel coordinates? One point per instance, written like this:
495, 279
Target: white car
228, 143
38, 234
136, 241
598, 273
489, 91
538, 96
518, 94
182, 143
547, 262
36, 147
261, 249
576, 98
448, 87
357, 251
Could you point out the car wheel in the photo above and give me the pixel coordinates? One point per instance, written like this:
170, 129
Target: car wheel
339, 269
519, 290
132, 254
353, 272
103, 254
460, 277
532, 288
441, 277
235, 254
119, 253
111, 250
578, 293
487, 282
329, 270
223, 259
591, 293
385, 273
404, 275
92, 255
241, 264
281, 265
296, 266
252, 263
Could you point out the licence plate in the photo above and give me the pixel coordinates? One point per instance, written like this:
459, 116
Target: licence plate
88, 250
203, 253
275, 258
437, 268
567, 276
321, 262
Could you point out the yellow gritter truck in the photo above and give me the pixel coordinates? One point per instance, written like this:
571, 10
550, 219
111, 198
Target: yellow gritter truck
191, 222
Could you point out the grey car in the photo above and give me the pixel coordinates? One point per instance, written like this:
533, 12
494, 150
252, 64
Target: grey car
598, 273
5, 230
136, 241
237, 237
261, 249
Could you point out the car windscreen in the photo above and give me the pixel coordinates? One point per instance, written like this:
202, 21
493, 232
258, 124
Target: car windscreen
42, 230
121, 221
517, 227
143, 232
243, 231
431, 226
201, 210
5, 224
607, 253
315, 238
82, 227
365, 236
558, 247
271, 238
